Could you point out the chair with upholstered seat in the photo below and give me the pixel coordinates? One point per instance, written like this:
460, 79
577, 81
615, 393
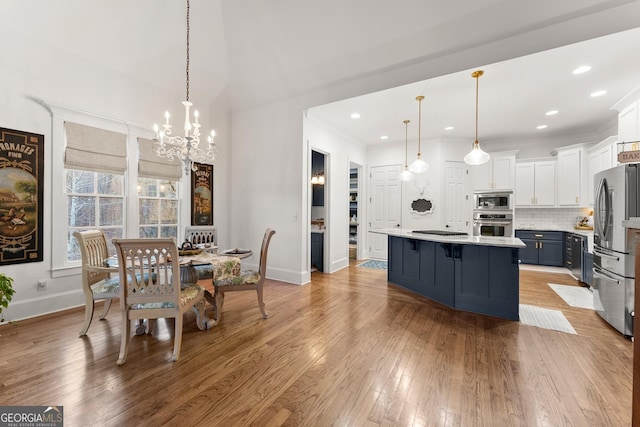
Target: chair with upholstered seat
249, 280
97, 283
151, 289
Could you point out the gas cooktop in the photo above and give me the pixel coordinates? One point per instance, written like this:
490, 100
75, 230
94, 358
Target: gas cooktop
441, 232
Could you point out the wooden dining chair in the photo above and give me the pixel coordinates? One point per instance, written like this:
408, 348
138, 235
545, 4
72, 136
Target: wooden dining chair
97, 283
151, 289
201, 235
248, 280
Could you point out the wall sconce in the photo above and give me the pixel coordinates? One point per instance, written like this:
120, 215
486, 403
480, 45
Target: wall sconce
317, 179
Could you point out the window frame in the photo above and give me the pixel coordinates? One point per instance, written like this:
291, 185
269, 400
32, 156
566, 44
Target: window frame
60, 267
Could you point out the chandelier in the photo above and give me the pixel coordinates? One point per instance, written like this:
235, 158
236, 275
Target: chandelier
187, 147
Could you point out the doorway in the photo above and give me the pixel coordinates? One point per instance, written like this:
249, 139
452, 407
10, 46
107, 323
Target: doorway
355, 211
318, 211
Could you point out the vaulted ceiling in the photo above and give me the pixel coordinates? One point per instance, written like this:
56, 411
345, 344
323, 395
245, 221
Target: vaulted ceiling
257, 52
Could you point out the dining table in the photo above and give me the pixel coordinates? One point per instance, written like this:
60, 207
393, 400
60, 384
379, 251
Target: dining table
197, 265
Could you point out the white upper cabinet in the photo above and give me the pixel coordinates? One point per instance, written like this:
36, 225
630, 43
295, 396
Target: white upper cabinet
629, 116
628, 123
572, 178
497, 174
535, 184
601, 157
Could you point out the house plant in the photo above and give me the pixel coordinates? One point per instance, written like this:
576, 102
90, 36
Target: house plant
6, 292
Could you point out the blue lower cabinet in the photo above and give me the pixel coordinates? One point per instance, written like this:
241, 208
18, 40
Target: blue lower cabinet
543, 247
487, 280
480, 279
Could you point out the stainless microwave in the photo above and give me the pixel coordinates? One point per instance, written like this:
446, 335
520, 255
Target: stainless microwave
494, 200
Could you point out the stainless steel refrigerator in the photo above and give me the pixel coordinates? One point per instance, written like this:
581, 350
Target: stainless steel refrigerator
616, 200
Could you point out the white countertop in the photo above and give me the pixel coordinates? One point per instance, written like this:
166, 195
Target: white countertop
505, 242
633, 222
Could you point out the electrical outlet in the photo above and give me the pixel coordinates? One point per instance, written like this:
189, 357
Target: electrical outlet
42, 285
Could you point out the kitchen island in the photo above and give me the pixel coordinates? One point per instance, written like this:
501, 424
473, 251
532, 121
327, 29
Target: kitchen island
476, 274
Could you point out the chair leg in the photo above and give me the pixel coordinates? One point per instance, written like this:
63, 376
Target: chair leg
261, 302
88, 315
218, 301
177, 340
124, 339
105, 309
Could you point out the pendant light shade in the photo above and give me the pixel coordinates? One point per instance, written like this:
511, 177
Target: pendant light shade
406, 174
476, 156
419, 165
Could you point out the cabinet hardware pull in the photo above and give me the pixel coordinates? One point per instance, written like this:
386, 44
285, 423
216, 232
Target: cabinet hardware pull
539, 235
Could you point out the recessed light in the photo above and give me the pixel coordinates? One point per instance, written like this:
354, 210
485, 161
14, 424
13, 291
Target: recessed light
598, 93
541, 127
355, 116
384, 137
582, 69
449, 128
551, 112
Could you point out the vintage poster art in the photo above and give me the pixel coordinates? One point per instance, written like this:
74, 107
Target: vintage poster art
21, 196
202, 194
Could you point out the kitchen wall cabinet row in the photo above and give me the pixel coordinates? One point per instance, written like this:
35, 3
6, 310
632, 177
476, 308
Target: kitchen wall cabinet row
567, 181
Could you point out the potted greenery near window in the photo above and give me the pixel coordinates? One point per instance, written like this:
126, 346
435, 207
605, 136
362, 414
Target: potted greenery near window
6, 292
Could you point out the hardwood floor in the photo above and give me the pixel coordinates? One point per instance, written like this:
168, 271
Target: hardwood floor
347, 349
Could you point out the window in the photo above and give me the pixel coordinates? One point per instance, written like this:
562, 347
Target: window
94, 200
158, 208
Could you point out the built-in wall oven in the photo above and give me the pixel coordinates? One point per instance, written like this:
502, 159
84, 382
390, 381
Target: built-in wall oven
492, 224
492, 200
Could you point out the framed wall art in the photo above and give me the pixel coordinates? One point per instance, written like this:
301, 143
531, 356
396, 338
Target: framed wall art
21, 196
202, 194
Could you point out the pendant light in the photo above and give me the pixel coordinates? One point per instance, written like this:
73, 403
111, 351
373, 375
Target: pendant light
476, 156
406, 174
419, 165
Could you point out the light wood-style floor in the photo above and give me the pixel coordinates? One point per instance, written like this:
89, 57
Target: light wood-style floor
349, 349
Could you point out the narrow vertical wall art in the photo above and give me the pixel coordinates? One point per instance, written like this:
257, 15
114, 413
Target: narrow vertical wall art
21, 196
202, 194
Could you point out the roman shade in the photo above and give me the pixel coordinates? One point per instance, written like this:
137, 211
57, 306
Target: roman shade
150, 165
94, 149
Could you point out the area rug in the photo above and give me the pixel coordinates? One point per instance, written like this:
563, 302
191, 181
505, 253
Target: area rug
373, 263
545, 318
575, 296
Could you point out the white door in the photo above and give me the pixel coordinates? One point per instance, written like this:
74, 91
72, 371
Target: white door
457, 206
384, 206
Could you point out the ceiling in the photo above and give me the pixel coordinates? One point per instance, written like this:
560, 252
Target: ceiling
514, 97
253, 53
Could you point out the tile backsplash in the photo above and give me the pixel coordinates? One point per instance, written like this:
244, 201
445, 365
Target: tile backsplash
553, 218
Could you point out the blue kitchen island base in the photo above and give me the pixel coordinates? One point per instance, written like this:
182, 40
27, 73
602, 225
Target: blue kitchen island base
477, 278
